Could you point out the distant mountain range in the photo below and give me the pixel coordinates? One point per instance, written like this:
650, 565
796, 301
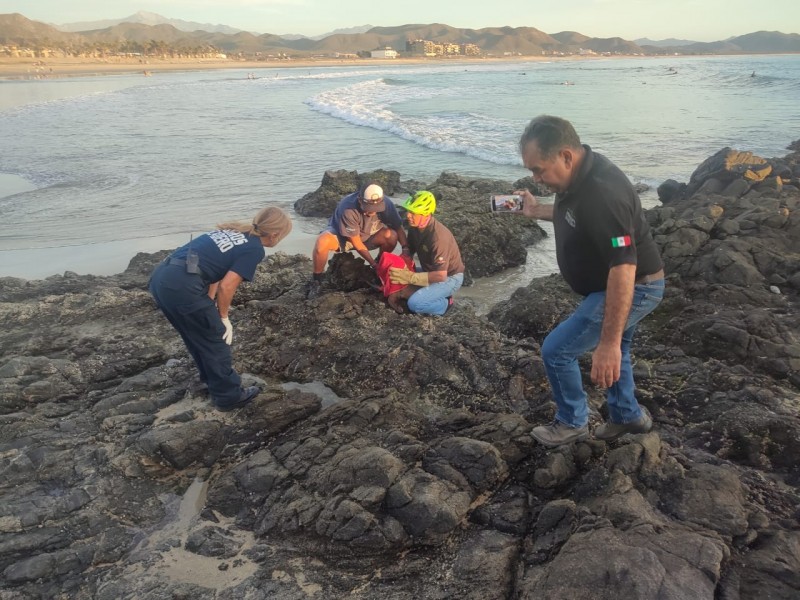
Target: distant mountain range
18, 30
345, 30
149, 18
668, 43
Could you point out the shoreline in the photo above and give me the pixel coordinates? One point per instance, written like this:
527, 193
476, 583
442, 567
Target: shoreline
26, 69
29, 69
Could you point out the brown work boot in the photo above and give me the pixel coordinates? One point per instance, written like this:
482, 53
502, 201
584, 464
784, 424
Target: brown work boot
558, 434
610, 431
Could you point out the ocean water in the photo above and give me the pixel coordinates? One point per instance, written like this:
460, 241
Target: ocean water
94, 169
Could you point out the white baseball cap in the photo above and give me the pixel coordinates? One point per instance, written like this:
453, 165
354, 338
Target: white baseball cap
372, 198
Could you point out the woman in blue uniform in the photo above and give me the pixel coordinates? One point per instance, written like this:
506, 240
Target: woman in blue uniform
194, 287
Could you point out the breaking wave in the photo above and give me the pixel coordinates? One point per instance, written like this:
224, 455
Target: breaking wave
369, 104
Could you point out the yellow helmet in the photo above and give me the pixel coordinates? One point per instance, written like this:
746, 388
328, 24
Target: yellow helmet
421, 203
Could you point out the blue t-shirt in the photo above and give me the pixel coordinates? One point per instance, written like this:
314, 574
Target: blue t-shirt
225, 250
348, 220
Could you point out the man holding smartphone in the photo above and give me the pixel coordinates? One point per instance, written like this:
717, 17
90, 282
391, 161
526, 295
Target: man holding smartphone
606, 253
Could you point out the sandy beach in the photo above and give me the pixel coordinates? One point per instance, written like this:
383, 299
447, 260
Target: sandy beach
29, 68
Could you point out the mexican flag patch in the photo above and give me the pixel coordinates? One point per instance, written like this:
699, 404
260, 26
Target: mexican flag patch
621, 242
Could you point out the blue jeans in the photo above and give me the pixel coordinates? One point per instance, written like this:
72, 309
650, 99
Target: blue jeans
432, 300
580, 333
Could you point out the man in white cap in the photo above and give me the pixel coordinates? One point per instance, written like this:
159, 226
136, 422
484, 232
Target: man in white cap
363, 221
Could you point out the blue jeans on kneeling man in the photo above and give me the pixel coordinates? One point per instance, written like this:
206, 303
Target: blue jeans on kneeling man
433, 299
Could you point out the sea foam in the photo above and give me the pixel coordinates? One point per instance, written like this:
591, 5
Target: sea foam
369, 104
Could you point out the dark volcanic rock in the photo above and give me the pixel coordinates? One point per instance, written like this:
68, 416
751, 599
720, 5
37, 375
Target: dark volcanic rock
212, 541
726, 165
338, 184
419, 479
734, 174
669, 190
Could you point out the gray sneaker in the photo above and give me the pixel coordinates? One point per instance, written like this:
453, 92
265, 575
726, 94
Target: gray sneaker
610, 431
558, 434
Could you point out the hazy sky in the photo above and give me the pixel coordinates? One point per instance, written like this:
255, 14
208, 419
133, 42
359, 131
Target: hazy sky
700, 20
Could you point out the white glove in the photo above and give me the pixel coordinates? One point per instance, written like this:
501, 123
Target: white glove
228, 335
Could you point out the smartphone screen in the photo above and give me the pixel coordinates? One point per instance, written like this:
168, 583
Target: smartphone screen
506, 203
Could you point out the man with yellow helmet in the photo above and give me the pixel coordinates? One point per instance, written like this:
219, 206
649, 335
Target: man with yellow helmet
442, 271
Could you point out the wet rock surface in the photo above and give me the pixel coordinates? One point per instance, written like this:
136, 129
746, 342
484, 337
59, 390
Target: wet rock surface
415, 477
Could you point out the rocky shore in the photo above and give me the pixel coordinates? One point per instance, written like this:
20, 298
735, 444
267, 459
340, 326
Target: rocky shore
388, 456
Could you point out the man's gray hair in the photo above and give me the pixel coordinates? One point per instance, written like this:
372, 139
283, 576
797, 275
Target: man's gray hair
551, 134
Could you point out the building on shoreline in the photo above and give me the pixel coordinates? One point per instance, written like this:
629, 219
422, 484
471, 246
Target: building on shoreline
430, 49
112, 50
385, 52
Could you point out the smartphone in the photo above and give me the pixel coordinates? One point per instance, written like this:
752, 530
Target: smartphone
505, 203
